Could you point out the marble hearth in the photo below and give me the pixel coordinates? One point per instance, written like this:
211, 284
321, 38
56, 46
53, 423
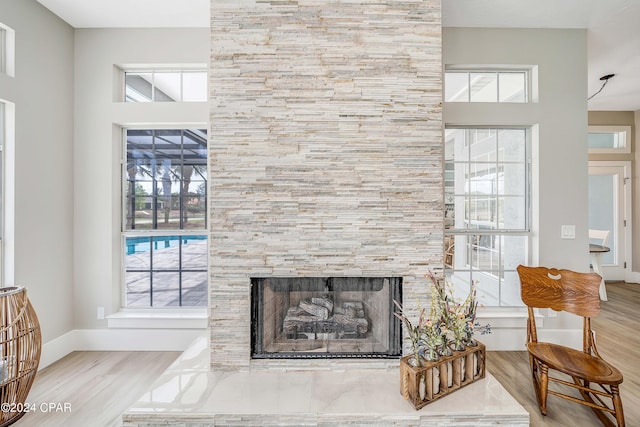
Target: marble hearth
189, 394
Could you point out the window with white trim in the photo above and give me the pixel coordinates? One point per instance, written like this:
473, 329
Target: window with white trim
487, 210
165, 86
486, 86
164, 217
3, 50
7, 50
609, 139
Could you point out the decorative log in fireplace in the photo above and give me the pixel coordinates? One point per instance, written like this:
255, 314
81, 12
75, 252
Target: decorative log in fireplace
318, 316
323, 317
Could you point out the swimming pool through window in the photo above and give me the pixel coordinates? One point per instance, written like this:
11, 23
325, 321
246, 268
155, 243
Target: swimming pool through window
164, 178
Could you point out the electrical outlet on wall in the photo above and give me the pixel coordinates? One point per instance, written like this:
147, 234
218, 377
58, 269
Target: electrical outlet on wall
568, 232
100, 313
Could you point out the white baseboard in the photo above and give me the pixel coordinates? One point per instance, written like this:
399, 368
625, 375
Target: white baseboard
117, 340
632, 277
504, 339
501, 339
57, 348
135, 339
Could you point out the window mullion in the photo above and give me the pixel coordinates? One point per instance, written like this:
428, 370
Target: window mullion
154, 183
180, 271
151, 251
181, 87
497, 176
181, 207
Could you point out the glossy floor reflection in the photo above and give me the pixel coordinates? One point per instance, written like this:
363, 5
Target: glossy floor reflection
190, 393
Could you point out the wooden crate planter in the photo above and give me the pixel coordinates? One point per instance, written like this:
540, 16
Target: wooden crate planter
423, 385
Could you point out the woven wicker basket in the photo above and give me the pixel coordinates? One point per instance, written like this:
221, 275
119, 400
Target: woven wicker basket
20, 344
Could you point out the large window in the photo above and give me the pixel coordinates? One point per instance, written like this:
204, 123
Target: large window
487, 210
164, 217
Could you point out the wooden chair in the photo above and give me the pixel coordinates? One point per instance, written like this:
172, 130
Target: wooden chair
449, 251
577, 293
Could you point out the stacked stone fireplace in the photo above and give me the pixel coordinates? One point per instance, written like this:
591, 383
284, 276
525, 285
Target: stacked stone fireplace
325, 161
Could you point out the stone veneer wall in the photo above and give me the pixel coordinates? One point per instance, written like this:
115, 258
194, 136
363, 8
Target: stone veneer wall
325, 150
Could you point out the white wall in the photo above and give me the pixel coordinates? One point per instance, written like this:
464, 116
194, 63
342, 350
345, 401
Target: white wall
97, 185
559, 118
42, 92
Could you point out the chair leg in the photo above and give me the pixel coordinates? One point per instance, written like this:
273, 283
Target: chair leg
536, 376
603, 416
617, 405
544, 386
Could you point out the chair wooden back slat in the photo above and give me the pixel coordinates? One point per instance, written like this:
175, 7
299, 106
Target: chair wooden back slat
560, 290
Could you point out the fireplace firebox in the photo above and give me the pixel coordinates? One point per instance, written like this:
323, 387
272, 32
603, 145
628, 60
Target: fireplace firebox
325, 317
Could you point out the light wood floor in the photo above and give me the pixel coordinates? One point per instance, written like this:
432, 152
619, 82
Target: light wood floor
101, 385
618, 339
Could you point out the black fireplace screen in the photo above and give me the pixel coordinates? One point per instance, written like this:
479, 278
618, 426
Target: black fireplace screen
320, 317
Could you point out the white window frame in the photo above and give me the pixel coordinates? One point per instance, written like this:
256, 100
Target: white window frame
624, 134
181, 69
3, 49
530, 92
526, 231
7, 50
7, 192
123, 171
129, 312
